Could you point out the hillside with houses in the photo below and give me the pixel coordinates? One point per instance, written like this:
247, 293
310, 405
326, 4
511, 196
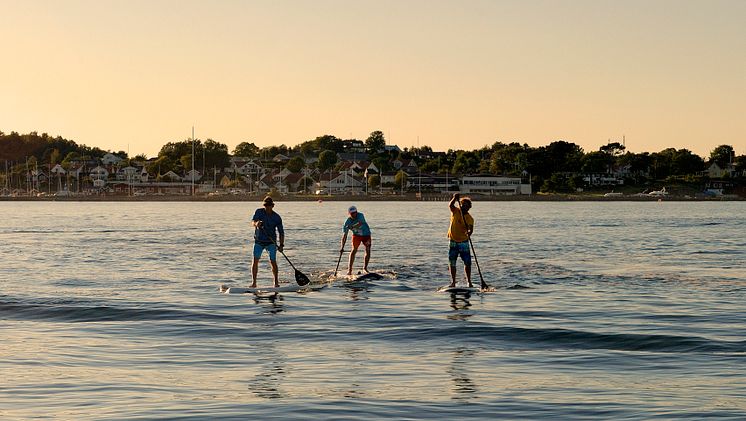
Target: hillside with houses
39, 165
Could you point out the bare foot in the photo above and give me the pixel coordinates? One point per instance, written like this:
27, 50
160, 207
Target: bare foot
366, 270
253, 285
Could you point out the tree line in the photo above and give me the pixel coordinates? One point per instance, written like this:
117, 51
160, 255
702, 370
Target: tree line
554, 167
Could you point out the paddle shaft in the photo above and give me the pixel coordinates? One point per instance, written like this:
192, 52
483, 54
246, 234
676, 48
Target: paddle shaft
341, 251
473, 252
278, 248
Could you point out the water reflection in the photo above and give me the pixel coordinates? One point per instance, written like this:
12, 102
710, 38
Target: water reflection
357, 291
460, 304
273, 301
267, 383
463, 387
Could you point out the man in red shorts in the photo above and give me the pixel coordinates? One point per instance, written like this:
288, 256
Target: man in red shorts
360, 234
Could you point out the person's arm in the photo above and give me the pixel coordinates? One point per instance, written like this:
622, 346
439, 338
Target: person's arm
281, 230
452, 203
470, 227
342, 242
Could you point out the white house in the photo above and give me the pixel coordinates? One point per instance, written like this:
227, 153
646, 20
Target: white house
58, 171
408, 165
192, 175
245, 166
110, 159
715, 171
99, 173
493, 185
279, 176
281, 158
341, 182
75, 171
171, 176
128, 173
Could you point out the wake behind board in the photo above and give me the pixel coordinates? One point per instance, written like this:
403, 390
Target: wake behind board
370, 276
459, 290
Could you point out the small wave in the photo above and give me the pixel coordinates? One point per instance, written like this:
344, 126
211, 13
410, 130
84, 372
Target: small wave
569, 339
88, 312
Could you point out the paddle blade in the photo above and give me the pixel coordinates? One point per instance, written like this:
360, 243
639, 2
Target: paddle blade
301, 279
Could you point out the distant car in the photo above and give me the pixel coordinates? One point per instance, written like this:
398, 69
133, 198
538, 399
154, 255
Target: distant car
658, 193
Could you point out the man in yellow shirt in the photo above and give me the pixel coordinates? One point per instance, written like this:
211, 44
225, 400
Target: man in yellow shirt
459, 232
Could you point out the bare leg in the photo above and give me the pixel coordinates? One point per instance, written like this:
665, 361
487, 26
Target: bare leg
254, 270
352, 260
275, 273
367, 259
467, 270
452, 270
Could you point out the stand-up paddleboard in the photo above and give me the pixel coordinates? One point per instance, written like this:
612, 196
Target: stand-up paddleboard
264, 290
459, 290
370, 276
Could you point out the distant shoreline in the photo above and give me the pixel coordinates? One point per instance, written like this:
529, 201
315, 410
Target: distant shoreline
374, 198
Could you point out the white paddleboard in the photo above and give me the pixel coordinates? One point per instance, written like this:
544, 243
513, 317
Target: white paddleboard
262, 290
459, 290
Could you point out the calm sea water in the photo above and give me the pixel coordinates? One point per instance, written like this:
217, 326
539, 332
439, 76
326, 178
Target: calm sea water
602, 310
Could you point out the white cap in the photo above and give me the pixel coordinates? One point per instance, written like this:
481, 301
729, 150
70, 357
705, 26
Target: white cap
352, 209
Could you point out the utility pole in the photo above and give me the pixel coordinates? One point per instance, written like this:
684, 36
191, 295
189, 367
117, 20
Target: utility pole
192, 175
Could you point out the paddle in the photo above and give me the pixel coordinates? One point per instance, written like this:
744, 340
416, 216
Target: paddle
483, 284
341, 251
300, 278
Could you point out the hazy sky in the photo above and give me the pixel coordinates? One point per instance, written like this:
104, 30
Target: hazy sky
456, 74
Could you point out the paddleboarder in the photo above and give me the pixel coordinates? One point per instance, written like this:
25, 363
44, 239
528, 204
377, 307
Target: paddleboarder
459, 231
360, 234
267, 224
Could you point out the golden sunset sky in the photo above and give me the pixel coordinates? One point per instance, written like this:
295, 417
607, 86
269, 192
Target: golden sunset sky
456, 74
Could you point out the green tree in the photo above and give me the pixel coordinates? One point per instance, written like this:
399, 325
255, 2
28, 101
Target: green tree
613, 149
54, 157
374, 181
722, 155
215, 154
375, 142
295, 164
684, 162
382, 163
466, 163
246, 150
327, 160
400, 180
595, 162
556, 184
186, 162
162, 165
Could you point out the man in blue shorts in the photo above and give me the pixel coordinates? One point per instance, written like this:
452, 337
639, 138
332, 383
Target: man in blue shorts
459, 232
266, 221
360, 234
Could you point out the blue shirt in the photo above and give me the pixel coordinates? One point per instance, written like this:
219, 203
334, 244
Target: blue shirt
358, 225
271, 223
